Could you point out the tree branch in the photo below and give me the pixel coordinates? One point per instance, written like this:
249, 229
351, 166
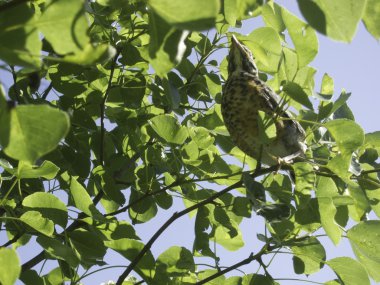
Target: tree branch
264, 250
103, 107
46, 91
177, 215
174, 184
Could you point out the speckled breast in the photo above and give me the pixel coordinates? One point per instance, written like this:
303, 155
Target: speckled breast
243, 96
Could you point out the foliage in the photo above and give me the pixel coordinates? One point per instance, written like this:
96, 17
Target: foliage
114, 111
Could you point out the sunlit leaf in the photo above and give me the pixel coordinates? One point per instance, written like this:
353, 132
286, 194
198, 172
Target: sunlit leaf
190, 15
168, 128
326, 190
337, 19
46, 170
58, 250
20, 43
365, 237
10, 267
265, 45
349, 271
89, 246
296, 93
272, 16
37, 222
130, 248
309, 256
72, 36
32, 131
303, 36
176, 260
81, 198
371, 18
50, 207
348, 135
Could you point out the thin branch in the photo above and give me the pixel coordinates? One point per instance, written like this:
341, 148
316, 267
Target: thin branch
11, 241
47, 91
33, 262
174, 184
103, 108
264, 250
177, 215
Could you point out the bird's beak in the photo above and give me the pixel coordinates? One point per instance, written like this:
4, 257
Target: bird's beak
235, 43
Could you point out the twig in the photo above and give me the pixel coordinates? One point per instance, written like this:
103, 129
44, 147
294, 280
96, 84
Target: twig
177, 215
11, 241
103, 107
174, 184
47, 90
264, 250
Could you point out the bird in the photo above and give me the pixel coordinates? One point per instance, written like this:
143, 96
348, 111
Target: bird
250, 107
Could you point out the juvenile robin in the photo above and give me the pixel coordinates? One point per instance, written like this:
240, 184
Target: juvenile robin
249, 106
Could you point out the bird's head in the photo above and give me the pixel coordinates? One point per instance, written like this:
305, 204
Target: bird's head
240, 59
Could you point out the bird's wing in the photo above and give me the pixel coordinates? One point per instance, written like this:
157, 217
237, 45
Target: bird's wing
274, 102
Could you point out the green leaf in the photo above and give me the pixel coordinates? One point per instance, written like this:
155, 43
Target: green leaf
327, 86
167, 46
265, 45
337, 19
348, 135
143, 211
209, 272
326, 109
290, 63
365, 236
349, 271
72, 36
250, 279
267, 127
10, 267
20, 43
361, 203
372, 140
371, 18
305, 177
187, 15
303, 36
272, 17
168, 128
81, 198
326, 190
296, 93
309, 256
89, 246
90, 54
130, 248
225, 238
49, 206
36, 221
31, 277
58, 250
47, 170
175, 260
372, 266
34, 130
230, 11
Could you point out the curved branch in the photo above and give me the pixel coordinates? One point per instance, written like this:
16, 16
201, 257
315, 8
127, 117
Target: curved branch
264, 250
177, 215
